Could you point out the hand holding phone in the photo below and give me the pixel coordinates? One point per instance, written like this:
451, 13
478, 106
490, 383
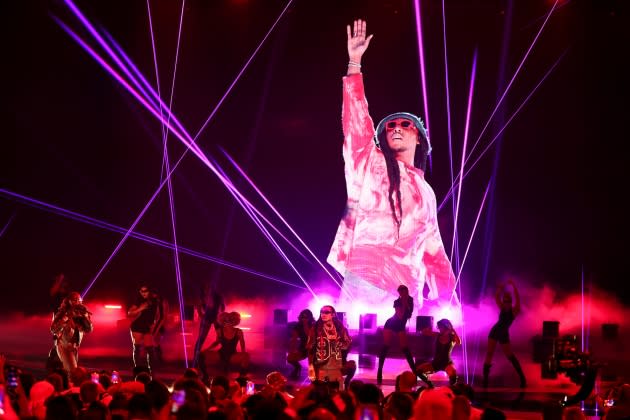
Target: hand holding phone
2, 412
368, 413
12, 377
178, 398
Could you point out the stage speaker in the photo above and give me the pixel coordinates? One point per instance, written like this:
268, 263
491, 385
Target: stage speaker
189, 312
341, 316
551, 329
543, 349
280, 316
367, 321
423, 322
610, 331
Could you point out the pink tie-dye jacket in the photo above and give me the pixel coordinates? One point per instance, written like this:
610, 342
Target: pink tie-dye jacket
367, 243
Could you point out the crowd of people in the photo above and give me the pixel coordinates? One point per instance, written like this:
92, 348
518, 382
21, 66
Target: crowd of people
105, 395
96, 395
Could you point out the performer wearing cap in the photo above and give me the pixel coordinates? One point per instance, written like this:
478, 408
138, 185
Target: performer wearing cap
389, 232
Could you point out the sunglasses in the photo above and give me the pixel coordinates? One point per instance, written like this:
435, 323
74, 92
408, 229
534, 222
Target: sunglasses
390, 125
144, 290
325, 312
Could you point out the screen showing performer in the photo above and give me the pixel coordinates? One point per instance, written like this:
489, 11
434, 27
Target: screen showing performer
389, 233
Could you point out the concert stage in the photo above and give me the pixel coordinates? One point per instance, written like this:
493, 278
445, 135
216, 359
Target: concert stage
26, 342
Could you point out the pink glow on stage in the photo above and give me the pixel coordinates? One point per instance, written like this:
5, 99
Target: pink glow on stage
113, 307
27, 340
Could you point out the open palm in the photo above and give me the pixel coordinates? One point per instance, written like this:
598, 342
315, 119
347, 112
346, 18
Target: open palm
357, 39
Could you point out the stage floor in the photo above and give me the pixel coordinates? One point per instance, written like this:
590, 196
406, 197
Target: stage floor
26, 342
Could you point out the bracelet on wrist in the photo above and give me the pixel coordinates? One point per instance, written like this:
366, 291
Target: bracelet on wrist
354, 64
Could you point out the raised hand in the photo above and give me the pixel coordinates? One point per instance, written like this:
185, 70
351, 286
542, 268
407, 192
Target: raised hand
357, 40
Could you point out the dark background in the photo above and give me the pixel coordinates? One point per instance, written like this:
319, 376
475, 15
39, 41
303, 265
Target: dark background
73, 137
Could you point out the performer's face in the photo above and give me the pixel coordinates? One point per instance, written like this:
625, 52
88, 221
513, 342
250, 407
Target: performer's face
326, 313
145, 292
75, 299
402, 135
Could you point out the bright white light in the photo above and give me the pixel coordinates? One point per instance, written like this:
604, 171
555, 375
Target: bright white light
452, 313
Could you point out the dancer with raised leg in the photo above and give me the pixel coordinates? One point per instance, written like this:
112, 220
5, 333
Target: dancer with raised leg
500, 332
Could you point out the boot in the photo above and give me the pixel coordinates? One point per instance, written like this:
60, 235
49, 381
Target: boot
381, 362
519, 370
409, 357
424, 378
297, 368
348, 370
151, 358
138, 360
205, 377
486, 373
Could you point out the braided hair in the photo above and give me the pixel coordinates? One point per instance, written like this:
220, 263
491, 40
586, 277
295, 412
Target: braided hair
393, 171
